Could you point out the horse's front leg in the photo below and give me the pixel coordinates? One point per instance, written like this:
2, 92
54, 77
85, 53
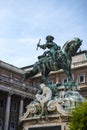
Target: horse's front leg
71, 84
67, 70
43, 71
70, 78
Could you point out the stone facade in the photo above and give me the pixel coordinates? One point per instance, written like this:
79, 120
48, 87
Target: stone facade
14, 96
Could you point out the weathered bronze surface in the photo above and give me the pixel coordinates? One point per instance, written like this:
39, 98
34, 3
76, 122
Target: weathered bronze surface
54, 59
54, 102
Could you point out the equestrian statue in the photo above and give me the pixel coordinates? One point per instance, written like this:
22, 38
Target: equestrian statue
53, 99
55, 58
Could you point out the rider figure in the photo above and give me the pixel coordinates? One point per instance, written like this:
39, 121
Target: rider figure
50, 45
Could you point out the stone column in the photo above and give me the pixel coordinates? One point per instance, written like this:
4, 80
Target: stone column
21, 106
7, 112
57, 80
63, 126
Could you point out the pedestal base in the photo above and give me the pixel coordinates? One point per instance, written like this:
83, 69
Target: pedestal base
53, 122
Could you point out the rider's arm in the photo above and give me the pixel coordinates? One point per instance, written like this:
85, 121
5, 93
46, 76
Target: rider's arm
42, 46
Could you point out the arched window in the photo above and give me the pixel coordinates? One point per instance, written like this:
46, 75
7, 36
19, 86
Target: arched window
64, 80
12, 125
1, 124
1, 103
14, 106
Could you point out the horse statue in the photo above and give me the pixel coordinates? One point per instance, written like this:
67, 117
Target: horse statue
62, 60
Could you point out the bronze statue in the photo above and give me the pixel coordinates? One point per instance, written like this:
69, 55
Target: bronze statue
54, 98
54, 59
52, 46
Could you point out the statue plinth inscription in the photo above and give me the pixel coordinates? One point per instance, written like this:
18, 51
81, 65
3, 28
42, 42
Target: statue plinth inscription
46, 128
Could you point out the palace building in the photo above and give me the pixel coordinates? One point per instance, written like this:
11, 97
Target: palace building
15, 94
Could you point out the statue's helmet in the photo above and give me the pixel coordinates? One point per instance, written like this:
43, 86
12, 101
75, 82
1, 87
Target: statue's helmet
49, 38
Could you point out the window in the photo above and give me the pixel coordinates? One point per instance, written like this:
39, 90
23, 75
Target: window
1, 103
12, 125
65, 80
81, 78
64, 127
14, 106
1, 124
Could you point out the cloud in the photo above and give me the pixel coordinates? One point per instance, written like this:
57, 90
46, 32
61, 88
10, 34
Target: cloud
22, 24
18, 52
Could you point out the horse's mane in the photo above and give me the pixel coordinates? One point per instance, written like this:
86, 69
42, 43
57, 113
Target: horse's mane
68, 44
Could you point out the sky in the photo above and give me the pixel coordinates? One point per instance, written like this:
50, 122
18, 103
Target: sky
24, 22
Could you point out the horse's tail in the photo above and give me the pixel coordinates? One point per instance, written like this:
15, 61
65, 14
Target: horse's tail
29, 73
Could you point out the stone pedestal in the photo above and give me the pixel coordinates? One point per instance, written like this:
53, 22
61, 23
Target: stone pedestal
50, 122
49, 112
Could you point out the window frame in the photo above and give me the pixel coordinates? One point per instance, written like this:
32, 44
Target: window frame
65, 78
14, 125
79, 80
1, 124
1, 103
12, 107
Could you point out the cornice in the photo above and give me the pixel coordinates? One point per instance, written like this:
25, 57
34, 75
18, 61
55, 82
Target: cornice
11, 67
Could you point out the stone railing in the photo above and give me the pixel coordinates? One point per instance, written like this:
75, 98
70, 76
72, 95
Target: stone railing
6, 80
81, 63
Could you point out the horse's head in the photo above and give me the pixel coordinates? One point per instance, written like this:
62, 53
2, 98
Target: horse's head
72, 46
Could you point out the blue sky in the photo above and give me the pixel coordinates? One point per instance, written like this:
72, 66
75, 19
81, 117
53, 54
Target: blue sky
24, 22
